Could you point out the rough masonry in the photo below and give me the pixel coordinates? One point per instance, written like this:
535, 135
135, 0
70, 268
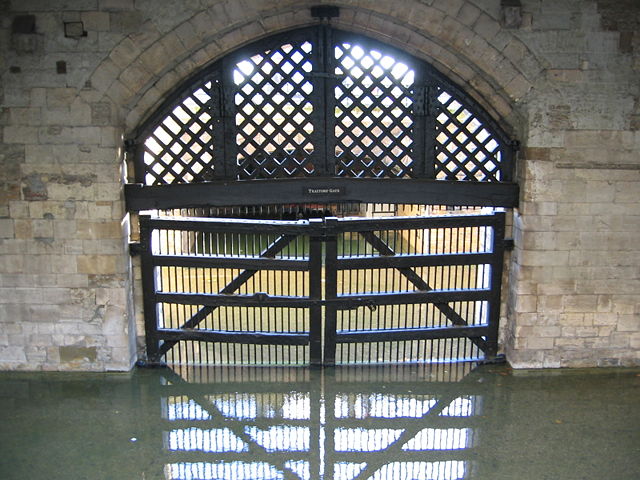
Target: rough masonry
76, 76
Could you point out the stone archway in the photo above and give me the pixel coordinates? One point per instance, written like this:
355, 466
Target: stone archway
463, 41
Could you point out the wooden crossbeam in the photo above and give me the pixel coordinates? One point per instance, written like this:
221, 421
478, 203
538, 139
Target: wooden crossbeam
453, 316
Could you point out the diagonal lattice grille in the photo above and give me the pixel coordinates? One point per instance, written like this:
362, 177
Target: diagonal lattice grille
307, 105
374, 114
273, 113
180, 148
465, 149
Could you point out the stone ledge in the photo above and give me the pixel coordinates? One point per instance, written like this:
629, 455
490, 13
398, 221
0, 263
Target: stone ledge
597, 166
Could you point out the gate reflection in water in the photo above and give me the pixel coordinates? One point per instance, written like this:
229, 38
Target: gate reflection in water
348, 423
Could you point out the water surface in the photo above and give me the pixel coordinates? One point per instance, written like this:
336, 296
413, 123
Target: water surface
439, 422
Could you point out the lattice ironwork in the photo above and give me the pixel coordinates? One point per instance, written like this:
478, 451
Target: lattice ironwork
310, 103
465, 147
274, 109
180, 148
374, 113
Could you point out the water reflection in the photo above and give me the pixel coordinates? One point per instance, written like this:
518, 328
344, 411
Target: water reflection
442, 422
349, 423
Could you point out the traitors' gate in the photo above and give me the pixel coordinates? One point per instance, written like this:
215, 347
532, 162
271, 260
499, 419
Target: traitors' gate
322, 291
288, 200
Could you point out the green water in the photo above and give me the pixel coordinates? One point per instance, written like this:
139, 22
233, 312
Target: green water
441, 422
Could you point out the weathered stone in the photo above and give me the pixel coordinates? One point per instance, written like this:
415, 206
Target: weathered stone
100, 113
77, 353
566, 88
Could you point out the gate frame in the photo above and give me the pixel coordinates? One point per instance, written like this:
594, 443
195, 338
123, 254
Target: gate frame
322, 348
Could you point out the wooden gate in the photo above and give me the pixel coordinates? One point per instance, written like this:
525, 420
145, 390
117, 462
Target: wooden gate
321, 291
319, 116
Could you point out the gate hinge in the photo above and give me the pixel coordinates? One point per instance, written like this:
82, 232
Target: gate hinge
129, 145
509, 244
135, 248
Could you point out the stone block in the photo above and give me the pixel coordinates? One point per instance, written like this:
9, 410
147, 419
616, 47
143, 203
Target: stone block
580, 332
60, 97
11, 264
7, 228
73, 247
486, 26
23, 229
20, 134
628, 323
100, 113
540, 343
136, 75
111, 296
564, 343
187, 36
73, 353
120, 93
10, 355
97, 264
42, 228
526, 303
105, 74
579, 303
544, 258
101, 210
96, 21
468, 14
116, 5
19, 209
58, 135
627, 192
99, 230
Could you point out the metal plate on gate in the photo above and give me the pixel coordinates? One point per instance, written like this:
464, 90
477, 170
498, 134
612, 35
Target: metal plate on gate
324, 191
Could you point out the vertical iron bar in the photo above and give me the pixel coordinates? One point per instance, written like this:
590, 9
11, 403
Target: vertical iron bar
149, 290
135, 150
315, 293
497, 259
228, 113
328, 82
430, 131
507, 163
331, 290
217, 125
421, 134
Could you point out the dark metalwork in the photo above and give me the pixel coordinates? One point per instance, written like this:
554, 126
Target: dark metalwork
322, 291
325, 11
296, 191
320, 102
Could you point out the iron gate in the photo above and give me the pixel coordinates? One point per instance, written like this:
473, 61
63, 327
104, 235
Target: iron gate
321, 291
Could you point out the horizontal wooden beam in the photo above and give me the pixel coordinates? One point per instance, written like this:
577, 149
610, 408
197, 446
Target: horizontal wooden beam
211, 261
321, 190
232, 225
341, 302
415, 223
405, 334
409, 261
254, 338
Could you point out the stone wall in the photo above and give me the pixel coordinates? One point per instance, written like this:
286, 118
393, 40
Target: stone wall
78, 75
575, 276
